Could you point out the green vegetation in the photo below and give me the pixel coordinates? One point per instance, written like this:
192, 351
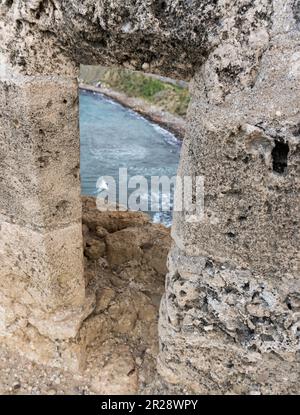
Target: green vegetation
170, 97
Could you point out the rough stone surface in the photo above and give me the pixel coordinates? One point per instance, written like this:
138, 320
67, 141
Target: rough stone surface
228, 321
41, 275
121, 308
230, 316
117, 345
170, 37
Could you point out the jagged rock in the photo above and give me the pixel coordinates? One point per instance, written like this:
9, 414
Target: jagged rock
124, 315
101, 232
111, 221
104, 298
150, 243
123, 246
94, 249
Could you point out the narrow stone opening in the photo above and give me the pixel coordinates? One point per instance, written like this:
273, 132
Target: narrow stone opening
125, 252
134, 121
280, 157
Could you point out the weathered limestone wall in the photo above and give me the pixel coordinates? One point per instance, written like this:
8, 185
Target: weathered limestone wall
41, 274
230, 316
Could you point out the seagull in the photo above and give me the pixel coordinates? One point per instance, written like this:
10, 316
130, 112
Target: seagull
101, 185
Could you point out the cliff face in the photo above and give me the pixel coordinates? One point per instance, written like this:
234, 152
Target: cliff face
229, 320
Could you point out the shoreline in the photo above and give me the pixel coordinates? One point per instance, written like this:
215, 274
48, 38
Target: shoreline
170, 122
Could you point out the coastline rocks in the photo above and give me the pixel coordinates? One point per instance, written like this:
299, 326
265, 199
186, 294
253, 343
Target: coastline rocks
149, 243
94, 248
111, 221
124, 236
128, 280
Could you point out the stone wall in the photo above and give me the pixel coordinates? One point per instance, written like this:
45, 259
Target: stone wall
230, 316
41, 276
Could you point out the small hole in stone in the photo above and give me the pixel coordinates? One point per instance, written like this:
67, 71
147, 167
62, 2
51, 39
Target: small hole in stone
242, 218
268, 207
288, 303
159, 7
163, 5
182, 293
266, 337
296, 130
146, 246
279, 155
19, 25
230, 234
131, 372
9, 3
209, 264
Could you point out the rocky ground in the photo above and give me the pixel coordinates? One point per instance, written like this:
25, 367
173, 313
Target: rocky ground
125, 261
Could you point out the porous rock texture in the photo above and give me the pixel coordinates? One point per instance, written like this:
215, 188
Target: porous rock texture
229, 321
119, 339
